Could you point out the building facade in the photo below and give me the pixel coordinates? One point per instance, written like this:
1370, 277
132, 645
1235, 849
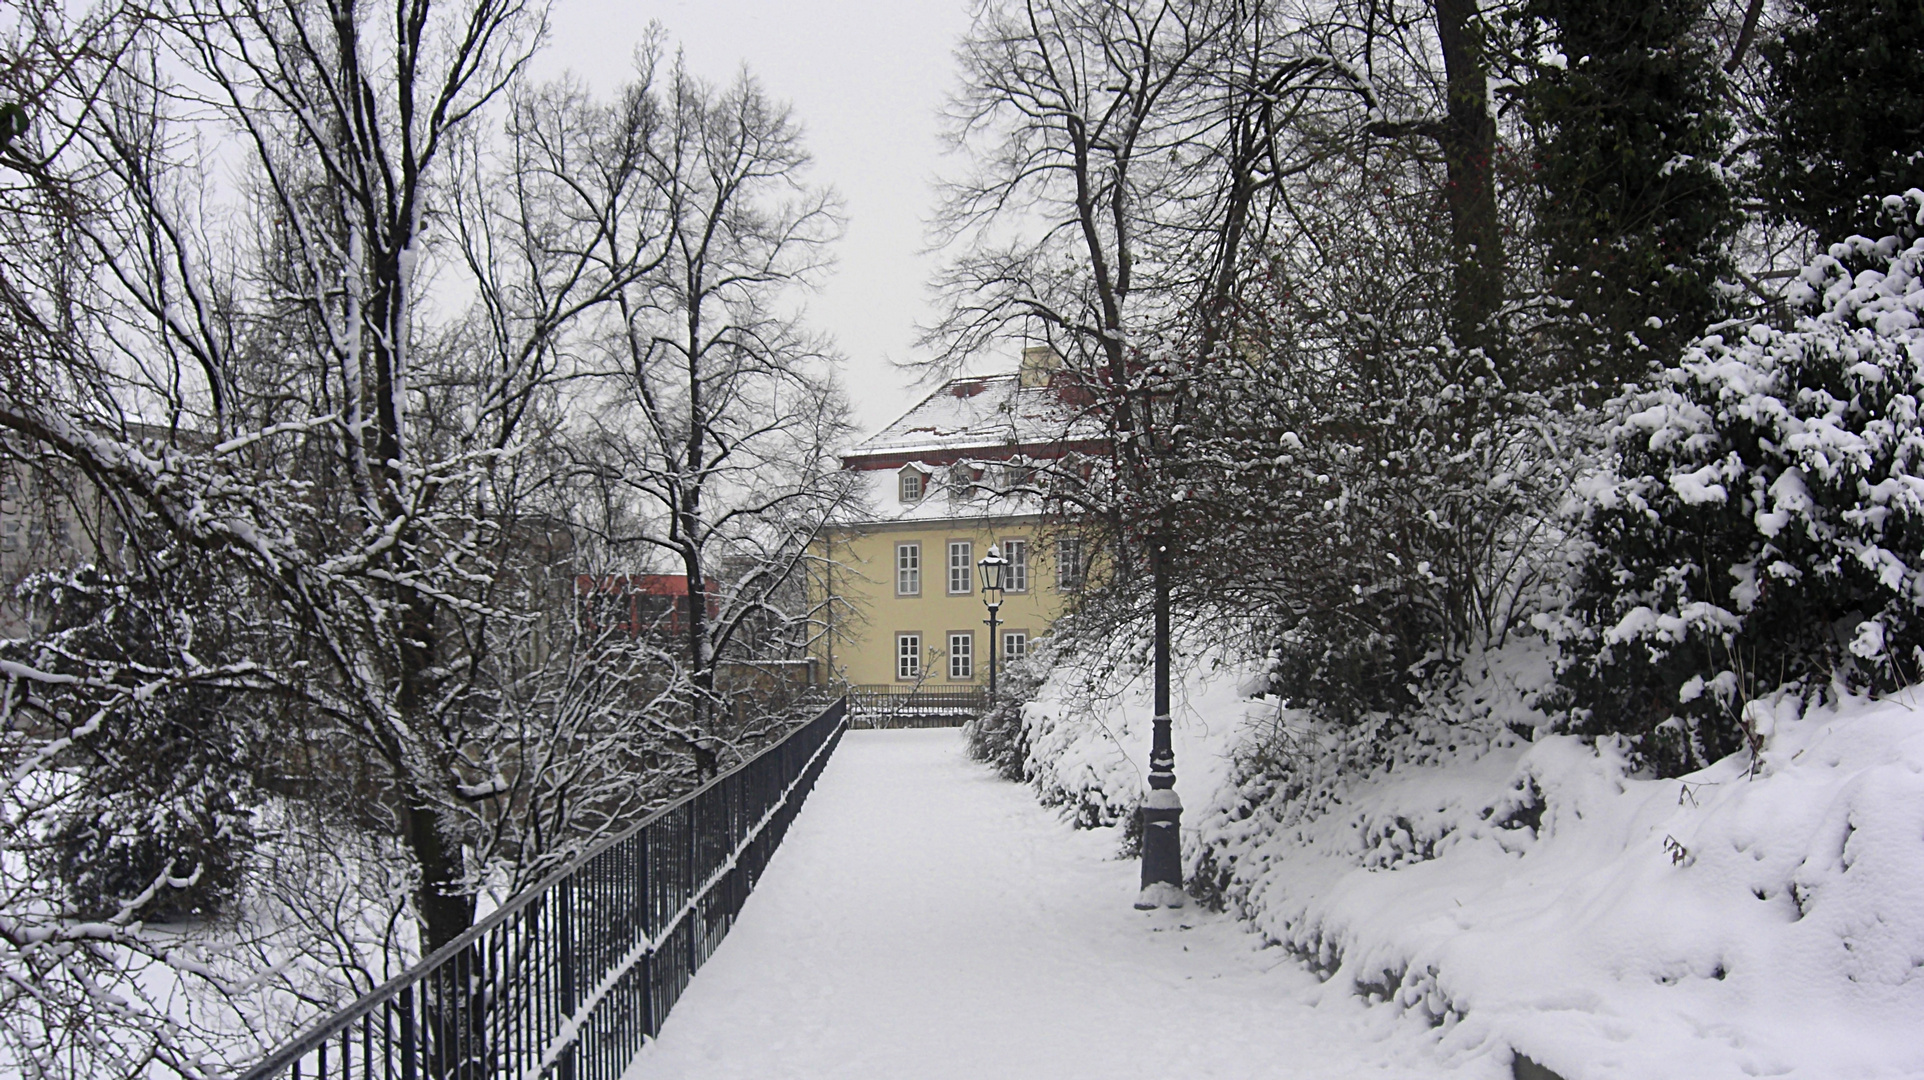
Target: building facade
897, 582
52, 519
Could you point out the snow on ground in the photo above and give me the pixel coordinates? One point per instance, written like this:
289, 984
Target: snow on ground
1527, 892
924, 919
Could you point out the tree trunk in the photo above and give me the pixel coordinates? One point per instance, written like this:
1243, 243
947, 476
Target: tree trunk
446, 912
1468, 141
701, 665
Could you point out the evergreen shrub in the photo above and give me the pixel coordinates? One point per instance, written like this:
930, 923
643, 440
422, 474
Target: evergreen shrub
156, 808
1844, 112
1764, 530
999, 736
1636, 212
190, 849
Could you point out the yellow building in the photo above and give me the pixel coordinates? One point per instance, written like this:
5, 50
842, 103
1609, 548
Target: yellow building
962, 470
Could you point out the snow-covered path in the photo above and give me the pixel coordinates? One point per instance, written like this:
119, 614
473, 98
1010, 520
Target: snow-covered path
924, 919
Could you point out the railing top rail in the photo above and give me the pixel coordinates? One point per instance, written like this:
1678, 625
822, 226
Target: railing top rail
326, 1027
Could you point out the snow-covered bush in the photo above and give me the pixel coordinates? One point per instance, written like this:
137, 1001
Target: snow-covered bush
1291, 768
157, 769
172, 854
1766, 524
1387, 506
998, 736
1088, 726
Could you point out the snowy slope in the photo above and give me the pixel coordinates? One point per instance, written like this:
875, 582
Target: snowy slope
1527, 893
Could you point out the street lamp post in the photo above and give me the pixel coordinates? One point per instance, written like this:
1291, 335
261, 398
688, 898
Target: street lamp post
1162, 810
992, 566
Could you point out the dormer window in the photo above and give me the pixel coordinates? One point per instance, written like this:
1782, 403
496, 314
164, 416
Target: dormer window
1012, 477
962, 480
911, 483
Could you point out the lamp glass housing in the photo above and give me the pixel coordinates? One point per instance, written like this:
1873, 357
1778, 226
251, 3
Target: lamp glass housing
992, 566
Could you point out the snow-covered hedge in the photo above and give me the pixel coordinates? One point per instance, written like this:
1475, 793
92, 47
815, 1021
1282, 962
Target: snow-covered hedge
998, 737
1550, 899
1087, 729
1766, 526
1526, 892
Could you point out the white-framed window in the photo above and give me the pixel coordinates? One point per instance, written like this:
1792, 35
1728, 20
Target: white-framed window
911, 483
1015, 576
1069, 565
961, 568
908, 569
1015, 644
908, 656
961, 655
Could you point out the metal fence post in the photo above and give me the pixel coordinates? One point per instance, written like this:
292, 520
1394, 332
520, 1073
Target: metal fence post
565, 941
407, 1033
694, 882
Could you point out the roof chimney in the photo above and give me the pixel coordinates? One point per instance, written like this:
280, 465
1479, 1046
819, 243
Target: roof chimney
1039, 364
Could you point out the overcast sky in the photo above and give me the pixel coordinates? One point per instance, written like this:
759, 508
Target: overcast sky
866, 79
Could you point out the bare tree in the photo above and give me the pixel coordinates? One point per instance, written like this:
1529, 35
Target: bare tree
721, 417
1148, 145
320, 336
1267, 238
1144, 141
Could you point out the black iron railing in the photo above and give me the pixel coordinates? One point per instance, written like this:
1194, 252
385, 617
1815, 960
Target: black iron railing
888, 706
570, 976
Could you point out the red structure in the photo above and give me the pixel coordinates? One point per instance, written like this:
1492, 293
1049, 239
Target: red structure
636, 604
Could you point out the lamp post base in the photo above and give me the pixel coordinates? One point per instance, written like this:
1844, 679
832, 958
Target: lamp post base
1161, 849
1160, 894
